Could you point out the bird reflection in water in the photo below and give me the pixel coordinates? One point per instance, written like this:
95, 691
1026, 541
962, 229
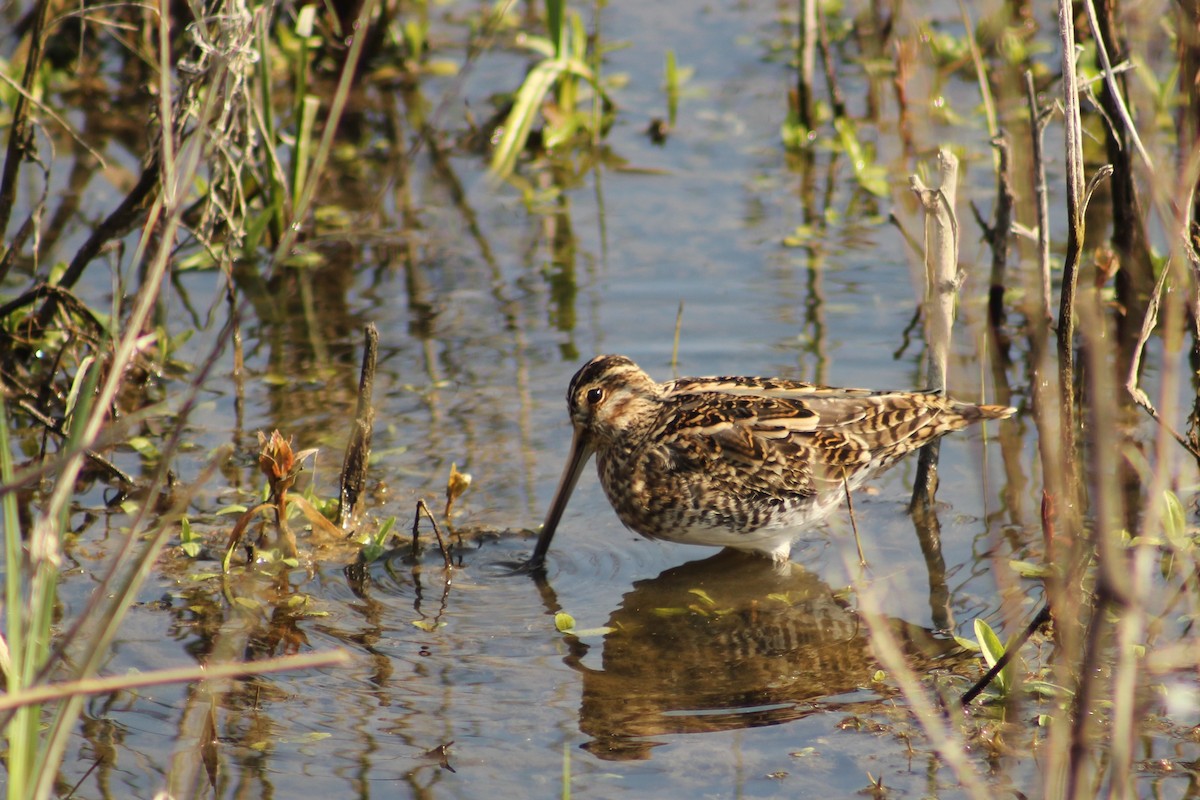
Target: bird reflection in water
733, 641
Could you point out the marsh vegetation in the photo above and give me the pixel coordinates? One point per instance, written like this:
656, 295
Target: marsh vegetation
242, 558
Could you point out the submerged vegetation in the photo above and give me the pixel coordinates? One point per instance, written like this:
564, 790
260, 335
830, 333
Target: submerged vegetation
193, 196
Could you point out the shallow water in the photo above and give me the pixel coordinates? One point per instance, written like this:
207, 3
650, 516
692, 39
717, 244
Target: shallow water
689, 674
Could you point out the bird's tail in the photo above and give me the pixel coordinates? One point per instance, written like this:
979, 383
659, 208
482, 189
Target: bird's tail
973, 413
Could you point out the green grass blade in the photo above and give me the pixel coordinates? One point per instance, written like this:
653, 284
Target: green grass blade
555, 11
304, 141
520, 120
274, 188
672, 78
338, 104
22, 732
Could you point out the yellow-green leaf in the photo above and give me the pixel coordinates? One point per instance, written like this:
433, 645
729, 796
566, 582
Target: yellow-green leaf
993, 651
428, 625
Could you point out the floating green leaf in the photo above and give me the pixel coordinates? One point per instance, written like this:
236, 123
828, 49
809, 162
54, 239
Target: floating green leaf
1028, 569
603, 630
428, 625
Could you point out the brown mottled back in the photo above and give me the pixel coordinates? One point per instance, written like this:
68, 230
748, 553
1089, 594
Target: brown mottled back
740, 461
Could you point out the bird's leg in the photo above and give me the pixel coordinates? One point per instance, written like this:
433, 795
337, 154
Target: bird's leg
862, 559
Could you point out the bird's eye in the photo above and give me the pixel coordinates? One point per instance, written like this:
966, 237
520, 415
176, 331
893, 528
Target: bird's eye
595, 395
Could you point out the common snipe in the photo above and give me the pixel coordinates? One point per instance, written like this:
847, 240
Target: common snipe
747, 463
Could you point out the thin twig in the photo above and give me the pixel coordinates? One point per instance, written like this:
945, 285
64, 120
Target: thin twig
437, 531
1131, 380
906, 334
836, 102
1110, 81
1037, 127
19, 126
55, 426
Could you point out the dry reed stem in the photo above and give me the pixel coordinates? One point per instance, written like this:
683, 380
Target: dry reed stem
997, 235
806, 67
1075, 228
836, 101
942, 280
19, 127
1038, 119
87, 687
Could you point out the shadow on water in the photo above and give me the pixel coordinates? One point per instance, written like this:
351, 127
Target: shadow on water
733, 641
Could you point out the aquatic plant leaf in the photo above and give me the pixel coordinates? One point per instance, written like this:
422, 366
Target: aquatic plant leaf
376, 545
515, 131
967, 644
143, 446
582, 633
189, 543
1047, 690
441, 67
315, 518
1028, 569
672, 87
428, 625
456, 485
239, 530
1174, 519
993, 651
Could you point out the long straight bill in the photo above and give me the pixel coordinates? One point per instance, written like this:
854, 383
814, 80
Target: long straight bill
581, 451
